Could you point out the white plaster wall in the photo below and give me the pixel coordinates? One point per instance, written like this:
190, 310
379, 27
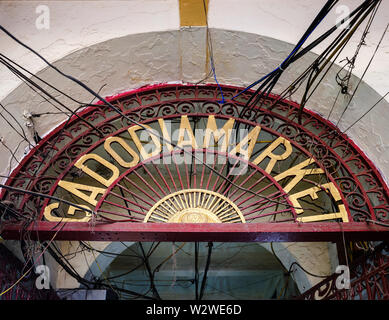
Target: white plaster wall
75, 25
313, 256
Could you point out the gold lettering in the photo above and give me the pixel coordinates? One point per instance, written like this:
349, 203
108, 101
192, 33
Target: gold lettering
312, 192
251, 140
185, 127
115, 171
49, 217
119, 159
145, 155
298, 173
75, 188
268, 152
165, 134
218, 133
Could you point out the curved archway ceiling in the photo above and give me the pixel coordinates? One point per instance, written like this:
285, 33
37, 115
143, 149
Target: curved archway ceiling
254, 174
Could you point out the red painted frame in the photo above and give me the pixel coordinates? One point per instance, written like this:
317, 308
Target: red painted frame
218, 232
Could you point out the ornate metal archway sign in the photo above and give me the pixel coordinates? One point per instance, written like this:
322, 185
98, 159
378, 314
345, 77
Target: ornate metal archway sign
199, 170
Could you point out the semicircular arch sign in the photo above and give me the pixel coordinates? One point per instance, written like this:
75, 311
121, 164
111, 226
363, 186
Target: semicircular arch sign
196, 169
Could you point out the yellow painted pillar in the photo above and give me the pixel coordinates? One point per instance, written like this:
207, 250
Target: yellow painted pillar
192, 12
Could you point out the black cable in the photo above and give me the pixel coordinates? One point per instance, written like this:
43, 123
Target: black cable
289, 272
6, 209
80, 83
293, 56
46, 196
203, 283
306, 271
371, 108
86, 282
65, 260
364, 72
125, 273
358, 11
12, 69
117, 110
323, 56
196, 271
265, 88
365, 6
40, 79
65, 127
122, 274
337, 45
13, 156
150, 273
34, 87
41, 163
344, 82
23, 134
377, 222
109, 253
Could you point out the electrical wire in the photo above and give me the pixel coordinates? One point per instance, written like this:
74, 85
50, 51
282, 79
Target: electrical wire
102, 273
11, 152
27, 80
265, 89
210, 52
23, 134
108, 104
306, 271
343, 82
204, 281
71, 271
289, 271
283, 65
364, 72
38, 194
87, 283
196, 279
29, 270
328, 6
269, 81
59, 135
370, 109
150, 273
104, 252
377, 222
337, 45
39, 78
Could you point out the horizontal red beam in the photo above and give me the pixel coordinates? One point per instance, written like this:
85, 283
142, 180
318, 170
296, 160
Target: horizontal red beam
246, 232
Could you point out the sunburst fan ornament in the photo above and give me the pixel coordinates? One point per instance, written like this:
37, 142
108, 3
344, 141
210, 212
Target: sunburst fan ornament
195, 206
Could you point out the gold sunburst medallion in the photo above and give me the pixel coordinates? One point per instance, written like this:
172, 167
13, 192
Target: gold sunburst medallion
195, 206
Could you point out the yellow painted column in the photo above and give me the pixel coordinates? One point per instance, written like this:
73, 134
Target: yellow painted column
192, 12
